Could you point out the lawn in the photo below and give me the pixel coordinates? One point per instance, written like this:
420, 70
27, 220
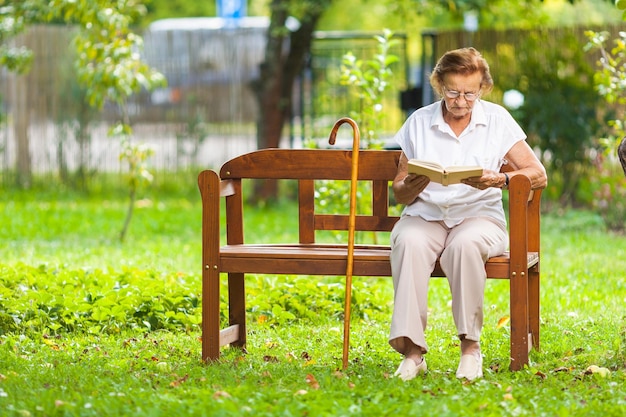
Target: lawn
92, 326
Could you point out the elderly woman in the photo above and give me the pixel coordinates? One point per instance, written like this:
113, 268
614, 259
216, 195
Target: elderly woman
464, 224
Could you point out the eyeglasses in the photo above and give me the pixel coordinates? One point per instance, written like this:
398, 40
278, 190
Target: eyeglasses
456, 94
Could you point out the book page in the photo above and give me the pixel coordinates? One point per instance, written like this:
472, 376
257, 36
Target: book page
449, 175
457, 174
432, 170
426, 164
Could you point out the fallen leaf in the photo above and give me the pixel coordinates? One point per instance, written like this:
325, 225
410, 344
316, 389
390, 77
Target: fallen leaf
595, 369
129, 342
310, 379
503, 322
271, 359
221, 394
270, 344
163, 366
301, 392
179, 381
51, 344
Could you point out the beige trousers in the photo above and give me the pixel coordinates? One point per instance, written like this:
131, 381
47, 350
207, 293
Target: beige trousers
463, 250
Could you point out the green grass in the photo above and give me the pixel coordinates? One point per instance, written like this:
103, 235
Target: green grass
90, 326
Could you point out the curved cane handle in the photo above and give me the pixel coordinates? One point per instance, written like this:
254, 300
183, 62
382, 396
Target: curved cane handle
356, 134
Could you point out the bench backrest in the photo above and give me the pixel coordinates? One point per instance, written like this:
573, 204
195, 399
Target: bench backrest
306, 166
377, 167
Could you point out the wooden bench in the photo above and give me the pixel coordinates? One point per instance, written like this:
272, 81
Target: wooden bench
306, 257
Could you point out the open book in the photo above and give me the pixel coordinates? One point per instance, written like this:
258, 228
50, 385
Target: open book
444, 176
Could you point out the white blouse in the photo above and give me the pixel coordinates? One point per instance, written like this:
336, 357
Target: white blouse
491, 133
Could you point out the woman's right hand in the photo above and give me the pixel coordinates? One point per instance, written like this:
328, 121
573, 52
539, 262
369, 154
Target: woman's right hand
406, 187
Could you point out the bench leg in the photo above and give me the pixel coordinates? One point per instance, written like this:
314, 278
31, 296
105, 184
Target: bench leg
210, 314
519, 321
237, 306
533, 305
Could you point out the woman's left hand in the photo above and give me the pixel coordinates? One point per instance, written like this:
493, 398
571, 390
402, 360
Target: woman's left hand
489, 179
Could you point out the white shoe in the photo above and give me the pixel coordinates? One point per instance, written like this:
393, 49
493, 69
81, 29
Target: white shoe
408, 369
470, 367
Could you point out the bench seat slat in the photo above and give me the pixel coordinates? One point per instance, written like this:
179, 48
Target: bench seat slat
329, 259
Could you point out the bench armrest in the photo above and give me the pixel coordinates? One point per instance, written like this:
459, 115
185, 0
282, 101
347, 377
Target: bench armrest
523, 231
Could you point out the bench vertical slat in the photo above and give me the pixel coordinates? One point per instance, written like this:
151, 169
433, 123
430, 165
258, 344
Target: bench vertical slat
534, 211
234, 208
209, 184
306, 203
518, 220
380, 198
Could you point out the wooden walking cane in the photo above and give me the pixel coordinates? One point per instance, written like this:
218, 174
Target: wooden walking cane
351, 227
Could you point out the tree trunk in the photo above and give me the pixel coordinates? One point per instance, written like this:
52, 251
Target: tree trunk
284, 58
129, 212
21, 122
621, 152
22, 97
